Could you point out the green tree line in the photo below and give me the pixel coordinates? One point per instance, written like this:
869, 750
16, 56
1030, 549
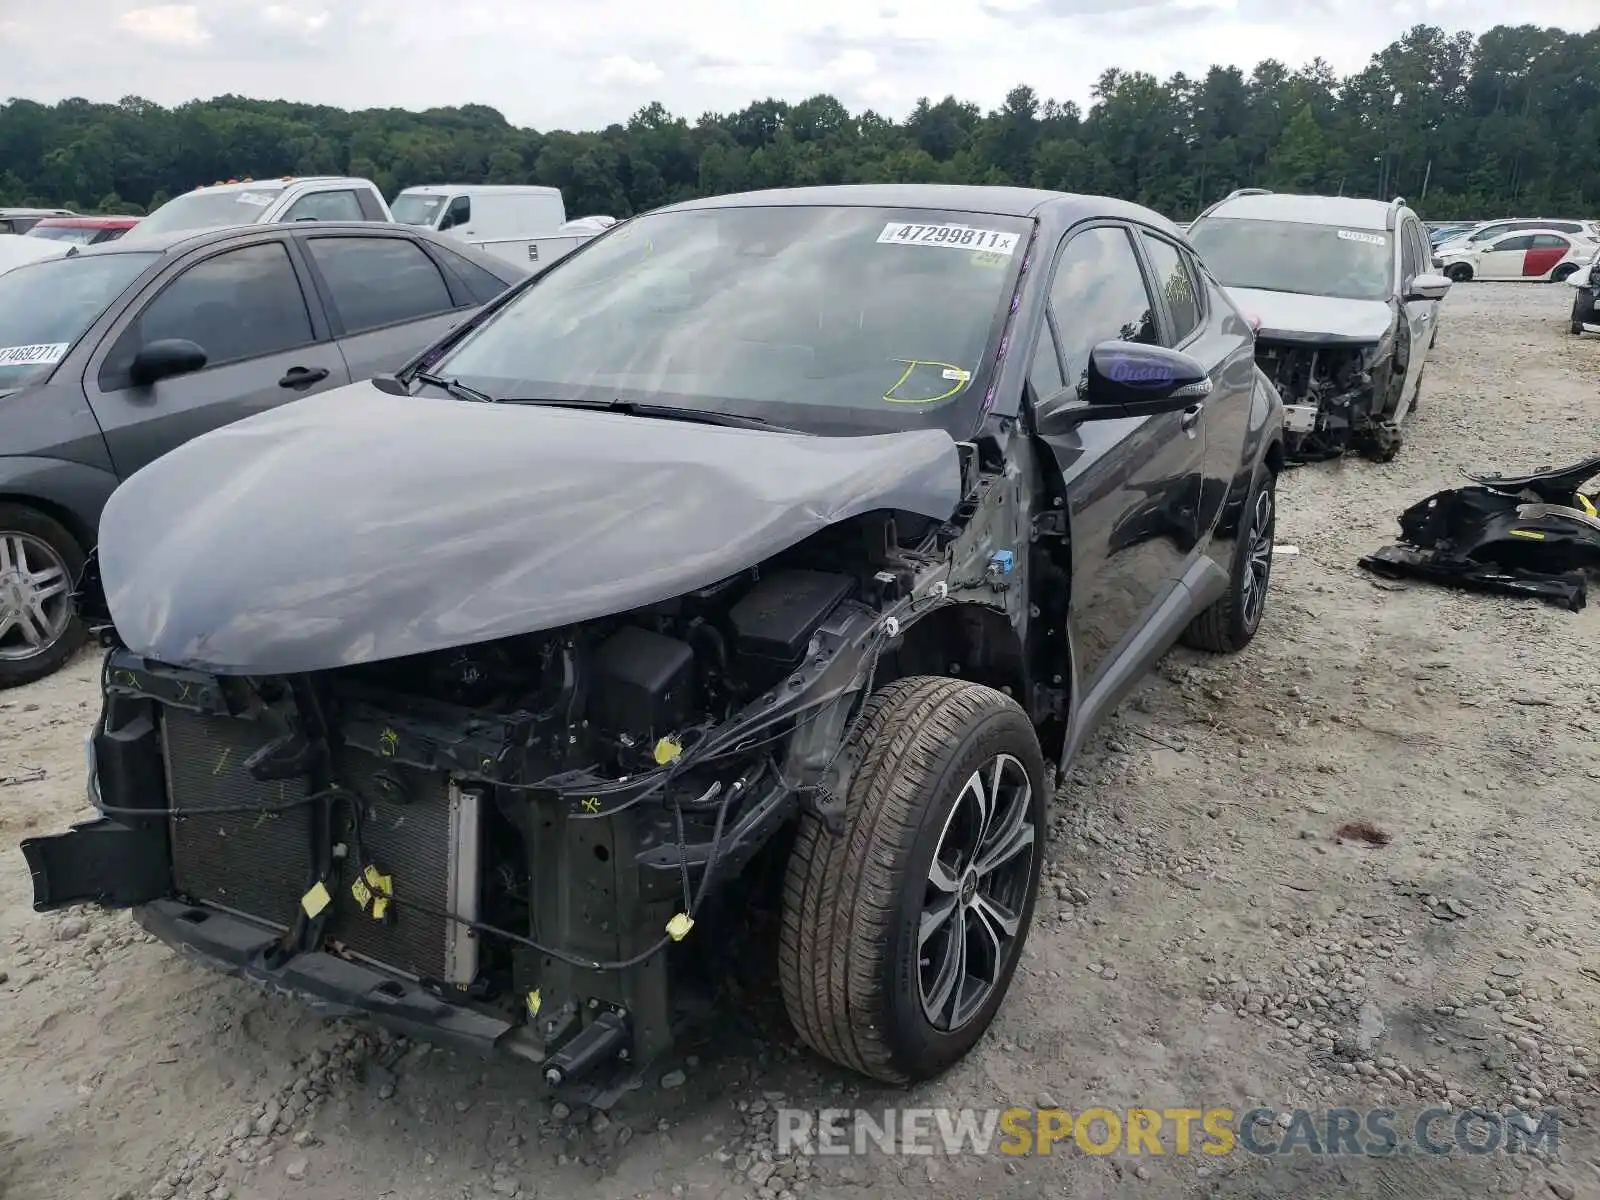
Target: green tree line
1463, 127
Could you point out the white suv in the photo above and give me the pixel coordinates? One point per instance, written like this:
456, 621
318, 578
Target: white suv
1346, 305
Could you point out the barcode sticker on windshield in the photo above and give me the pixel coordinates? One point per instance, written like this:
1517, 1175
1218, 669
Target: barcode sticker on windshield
1356, 235
253, 199
950, 237
44, 354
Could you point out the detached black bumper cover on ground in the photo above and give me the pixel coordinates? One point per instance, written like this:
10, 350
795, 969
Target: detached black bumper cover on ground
1531, 535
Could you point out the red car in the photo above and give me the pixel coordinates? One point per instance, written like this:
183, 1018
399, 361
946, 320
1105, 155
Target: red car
86, 231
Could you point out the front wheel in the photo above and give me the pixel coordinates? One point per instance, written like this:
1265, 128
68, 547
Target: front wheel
1562, 273
1458, 272
1229, 625
901, 935
40, 564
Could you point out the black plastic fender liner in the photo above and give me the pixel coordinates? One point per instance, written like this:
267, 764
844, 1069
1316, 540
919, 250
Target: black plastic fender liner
98, 862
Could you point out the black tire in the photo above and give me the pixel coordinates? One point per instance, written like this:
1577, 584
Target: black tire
1577, 328
1458, 273
1229, 625
30, 523
849, 964
1562, 273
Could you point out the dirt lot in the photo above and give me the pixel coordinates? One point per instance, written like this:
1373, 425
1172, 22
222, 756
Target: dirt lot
1204, 940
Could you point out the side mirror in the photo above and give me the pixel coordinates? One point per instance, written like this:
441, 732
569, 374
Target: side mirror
1130, 379
1428, 287
163, 359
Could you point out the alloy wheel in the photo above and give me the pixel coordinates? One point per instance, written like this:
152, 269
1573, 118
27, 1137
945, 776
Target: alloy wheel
977, 889
1258, 566
35, 596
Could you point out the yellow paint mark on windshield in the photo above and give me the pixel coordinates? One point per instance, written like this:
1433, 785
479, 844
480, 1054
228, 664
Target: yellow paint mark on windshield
959, 377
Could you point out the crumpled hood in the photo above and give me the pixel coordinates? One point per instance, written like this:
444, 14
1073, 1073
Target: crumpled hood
355, 526
1308, 316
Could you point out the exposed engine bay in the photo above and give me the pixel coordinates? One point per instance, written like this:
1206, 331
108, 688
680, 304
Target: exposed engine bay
1332, 397
1531, 535
526, 829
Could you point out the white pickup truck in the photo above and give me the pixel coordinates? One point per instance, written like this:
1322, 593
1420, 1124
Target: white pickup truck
260, 201
522, 223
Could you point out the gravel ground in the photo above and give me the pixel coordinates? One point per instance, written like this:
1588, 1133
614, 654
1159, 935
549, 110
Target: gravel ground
1205, 938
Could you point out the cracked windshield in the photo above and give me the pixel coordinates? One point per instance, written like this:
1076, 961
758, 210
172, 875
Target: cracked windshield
799, 602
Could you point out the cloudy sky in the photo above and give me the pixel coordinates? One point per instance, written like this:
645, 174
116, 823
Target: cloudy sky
587, 63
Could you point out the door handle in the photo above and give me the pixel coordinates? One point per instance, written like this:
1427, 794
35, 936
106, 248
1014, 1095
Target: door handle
1191, 417
302, 377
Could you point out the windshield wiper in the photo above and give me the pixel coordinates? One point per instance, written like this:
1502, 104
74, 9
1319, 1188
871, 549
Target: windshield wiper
667, 412
455, 388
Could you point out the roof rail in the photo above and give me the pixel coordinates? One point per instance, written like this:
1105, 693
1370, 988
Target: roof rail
1233, 195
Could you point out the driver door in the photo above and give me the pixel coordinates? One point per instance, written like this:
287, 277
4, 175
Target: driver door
266, 342
457, 219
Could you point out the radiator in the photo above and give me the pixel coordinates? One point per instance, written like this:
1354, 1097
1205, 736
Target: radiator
416, 827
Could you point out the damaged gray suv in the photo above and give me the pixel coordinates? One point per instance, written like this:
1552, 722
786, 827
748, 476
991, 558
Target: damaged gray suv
1347, 309
772, 553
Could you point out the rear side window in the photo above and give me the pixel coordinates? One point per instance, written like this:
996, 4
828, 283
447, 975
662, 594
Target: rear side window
484, 285
238, 305
377, 281
1174, 280
326, 206
1549, 241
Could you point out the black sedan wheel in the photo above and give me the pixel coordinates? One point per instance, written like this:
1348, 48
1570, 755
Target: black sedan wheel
901, 935
40, 564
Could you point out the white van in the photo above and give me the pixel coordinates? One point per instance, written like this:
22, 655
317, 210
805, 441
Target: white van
480, 212
521, 223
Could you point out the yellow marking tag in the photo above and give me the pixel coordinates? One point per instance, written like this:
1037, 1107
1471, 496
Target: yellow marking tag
533, 1003
668, 751
678, 928
988, 258
361, 892
387, 741
379, 907
383, 884
222, 761
1534, 535
592, 804
317, 899
1588, 505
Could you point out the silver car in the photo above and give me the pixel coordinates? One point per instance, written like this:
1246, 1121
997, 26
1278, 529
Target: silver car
1346, 308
